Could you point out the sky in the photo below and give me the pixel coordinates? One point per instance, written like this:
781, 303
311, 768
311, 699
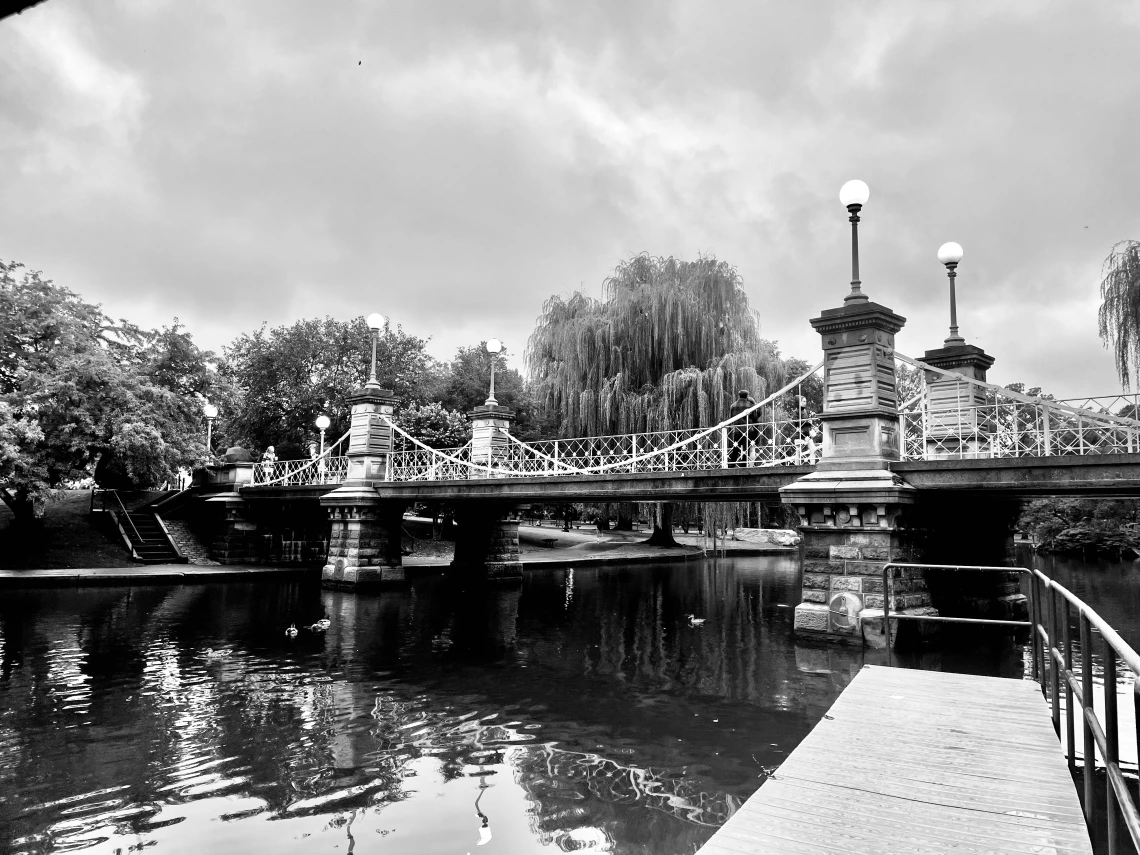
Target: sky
452, 165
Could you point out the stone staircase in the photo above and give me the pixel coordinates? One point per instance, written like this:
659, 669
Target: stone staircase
192, 549
147, 538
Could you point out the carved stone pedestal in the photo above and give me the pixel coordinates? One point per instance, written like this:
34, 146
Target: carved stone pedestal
850, 522
364, 540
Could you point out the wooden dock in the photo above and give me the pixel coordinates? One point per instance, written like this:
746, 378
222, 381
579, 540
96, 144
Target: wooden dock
918, 762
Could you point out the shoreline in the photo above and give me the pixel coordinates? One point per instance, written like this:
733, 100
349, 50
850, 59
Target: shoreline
153, 574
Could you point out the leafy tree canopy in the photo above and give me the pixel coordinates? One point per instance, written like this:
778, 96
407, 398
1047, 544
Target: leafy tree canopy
76, 387
289, 375
1120, 307
435, 425
666, 347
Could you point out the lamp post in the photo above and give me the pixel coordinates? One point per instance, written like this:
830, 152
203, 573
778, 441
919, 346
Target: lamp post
950, 254
376, 323
211, 413
323, 423
494, 347
854, 195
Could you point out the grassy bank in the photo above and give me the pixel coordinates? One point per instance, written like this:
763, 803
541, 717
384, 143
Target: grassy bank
69, 538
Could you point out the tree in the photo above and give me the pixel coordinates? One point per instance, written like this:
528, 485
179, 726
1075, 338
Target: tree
287, 376
78, 389
434, 425
464, 382
1120, 307
667, 347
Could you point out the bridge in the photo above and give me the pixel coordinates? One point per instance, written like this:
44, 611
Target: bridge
931, 473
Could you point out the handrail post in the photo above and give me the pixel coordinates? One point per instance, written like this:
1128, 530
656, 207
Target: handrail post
1047, 434
1087, 704
887, 610
1034, 635
1054, 665
1070, 721
724, 448
1111, 740
633, 456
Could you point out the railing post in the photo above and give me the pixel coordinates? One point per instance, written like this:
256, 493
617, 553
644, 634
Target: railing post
1047, 433
633, 455
1089, 742
1080, 435
1054, 665
724, 448
1111, 740
1035, 636
1070, 721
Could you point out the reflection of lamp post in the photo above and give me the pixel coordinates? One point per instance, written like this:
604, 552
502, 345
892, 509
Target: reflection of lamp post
211, 413
854, 195
950, 254
494, 347
375, 323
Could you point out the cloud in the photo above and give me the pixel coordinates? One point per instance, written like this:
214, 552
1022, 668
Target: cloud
452, 165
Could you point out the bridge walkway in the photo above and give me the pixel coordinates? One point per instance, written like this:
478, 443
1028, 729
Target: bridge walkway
918, 761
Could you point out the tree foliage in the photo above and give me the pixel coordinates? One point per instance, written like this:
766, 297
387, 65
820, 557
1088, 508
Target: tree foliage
666, 347
289, 375
435, 425
1120, 307
77, 387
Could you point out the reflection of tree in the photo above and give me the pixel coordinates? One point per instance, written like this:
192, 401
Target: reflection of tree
328, 724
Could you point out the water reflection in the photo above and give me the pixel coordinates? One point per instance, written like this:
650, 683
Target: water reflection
577, 710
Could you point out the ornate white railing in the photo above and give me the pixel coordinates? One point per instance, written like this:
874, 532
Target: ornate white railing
760, 436
961, 418
327, 468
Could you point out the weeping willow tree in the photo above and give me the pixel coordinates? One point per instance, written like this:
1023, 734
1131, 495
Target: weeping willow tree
1120, 307
666, 347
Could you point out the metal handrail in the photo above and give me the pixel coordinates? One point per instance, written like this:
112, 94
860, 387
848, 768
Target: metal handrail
127, 514
1052, 665
1097, 736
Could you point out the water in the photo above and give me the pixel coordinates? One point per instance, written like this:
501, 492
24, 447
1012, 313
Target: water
578, 711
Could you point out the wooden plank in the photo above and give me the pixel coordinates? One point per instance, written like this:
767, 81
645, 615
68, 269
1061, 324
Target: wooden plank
908, 762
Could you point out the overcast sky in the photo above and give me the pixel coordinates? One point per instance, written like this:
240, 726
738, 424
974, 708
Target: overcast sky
452, 165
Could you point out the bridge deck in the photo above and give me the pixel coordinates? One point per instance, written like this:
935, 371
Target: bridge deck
918, 761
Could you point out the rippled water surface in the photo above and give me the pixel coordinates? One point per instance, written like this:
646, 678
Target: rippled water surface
576, 711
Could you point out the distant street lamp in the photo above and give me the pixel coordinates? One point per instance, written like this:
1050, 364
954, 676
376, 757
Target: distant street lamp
950, 254
211, 413
376, 323
854, 195
494, 347
323, 423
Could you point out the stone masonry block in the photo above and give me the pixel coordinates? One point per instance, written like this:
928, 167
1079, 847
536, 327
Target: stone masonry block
817, 580
873, 601
846, 583
812, 596
823, 566
839, 553
873, 584
810, 617
876, 553
863, 568
881, 539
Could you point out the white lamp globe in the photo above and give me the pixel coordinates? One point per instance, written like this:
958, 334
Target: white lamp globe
494, 346
854, 192
950, 253
210, 411
323, 422
375, 322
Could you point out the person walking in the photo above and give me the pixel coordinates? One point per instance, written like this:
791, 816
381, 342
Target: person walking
738, 433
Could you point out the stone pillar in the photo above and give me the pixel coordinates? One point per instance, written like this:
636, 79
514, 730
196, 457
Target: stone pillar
853, 509
236, 534
364, 530
954, 429
490, 423
364, 540
486, 543
370, 440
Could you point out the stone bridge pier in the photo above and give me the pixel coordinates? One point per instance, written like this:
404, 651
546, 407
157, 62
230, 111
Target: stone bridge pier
856, 515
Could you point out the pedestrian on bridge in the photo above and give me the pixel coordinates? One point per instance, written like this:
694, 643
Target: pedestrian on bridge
739, 434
